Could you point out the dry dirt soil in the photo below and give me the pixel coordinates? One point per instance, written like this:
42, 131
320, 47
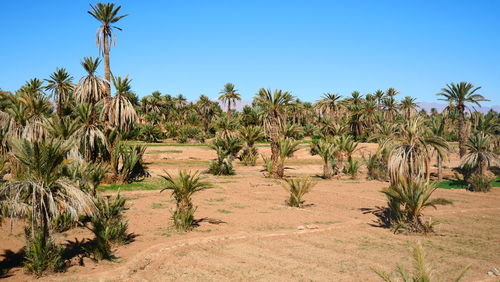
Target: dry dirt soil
247, 233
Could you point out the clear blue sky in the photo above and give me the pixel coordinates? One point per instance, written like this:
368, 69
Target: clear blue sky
307, 47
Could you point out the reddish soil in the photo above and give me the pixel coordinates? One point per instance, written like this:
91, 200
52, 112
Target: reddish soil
247, 232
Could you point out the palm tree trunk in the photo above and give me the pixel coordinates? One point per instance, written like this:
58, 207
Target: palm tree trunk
107, 69
327, 172
440, 167
275, 151
462, 138
59, 106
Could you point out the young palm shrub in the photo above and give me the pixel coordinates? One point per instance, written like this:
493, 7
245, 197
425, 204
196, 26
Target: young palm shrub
227, 148
42, 254
250, 134
150, 133
128, 163
298, 187
326, 151
421, 272
377, 168
352, 168
406, 202
286, 149
108, 226
183, 187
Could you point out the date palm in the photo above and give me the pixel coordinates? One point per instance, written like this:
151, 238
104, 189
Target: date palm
326, 150
229, 95
410, 150
91, 88
330, 104
480, 154
408, 106
460, 95
107, 15
183, 187
43, 192
118, 110
61, 85
273, 112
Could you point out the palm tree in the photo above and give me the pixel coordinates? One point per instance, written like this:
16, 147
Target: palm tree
250, 134
106, 14
43, 193
287, 148
326, 151
91, 88
390, 107
118, 111
273, 110
61, 85
407, 199
379, 96
410, 150
437, 126
480, 155
329, 104
460, 95
183, 187
408, 106
391, 92
229, 96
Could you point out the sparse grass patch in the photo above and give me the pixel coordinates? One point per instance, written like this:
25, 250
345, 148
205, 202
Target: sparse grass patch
460, 184
164, 151
157, 206
216, 200
272, 227
146, 184
224, 211
238, 206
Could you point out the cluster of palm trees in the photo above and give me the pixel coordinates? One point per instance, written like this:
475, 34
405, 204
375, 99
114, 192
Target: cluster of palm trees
58, 140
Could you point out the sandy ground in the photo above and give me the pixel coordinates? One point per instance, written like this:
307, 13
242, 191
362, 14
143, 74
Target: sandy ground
247, 233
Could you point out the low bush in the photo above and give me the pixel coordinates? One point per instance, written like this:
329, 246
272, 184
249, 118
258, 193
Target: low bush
183, 187
298, 188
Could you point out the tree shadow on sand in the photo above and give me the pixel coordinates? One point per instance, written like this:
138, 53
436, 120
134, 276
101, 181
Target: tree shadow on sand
11, 260
384, 216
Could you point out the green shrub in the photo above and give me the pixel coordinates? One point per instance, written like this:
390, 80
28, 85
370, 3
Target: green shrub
108, 226
150, 133
298, 188
63, 222
227, 149
183, 187
480, 183
352, 168
377, 168
421, 271
42, 254
406, 202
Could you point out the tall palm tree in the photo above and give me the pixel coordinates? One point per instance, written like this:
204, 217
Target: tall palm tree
437, 126
91, 88
408, 106
273, 111
379, 96
118, 111
460, 95
106, 14
329, 104
229, 96
61, 85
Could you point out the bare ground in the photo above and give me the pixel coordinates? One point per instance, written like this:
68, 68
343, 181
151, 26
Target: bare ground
247, 233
